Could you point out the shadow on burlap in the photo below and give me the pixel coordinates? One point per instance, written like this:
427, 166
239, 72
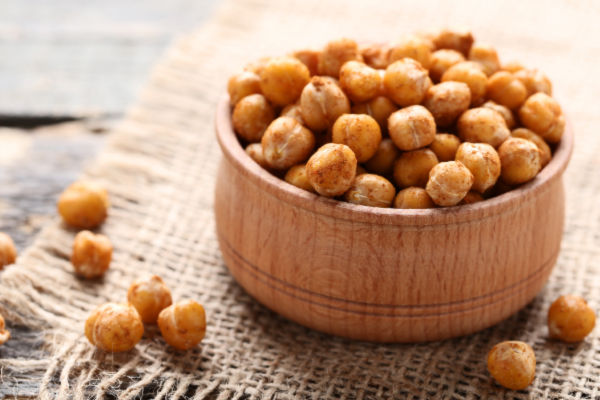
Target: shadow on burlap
159, 168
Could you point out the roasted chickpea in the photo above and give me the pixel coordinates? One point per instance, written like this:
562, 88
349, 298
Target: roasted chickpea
441, 61
297, 177
412, 168
512, 364
359, 81
8, 251
255, 151
241, 85
114, 327
376, 55
545, 152
482, 125
504, 88
483, 162
413, 197
469, 73
504, 111
543, 115
322, 102
520, 161
251, 116
472, 197
444, 146
183, 325
406, 82
379, 108
310, 58
83, 204
286, 143
512, 66
460, 40
257, 66
282, 80
447, 101
371, 190
149, 295
570, 319
411, 128
449, 182
4, 333
534, 81
331, 170
486, 56
412, 46
293, 111
335, 54
91, 254
360, 132
382, 162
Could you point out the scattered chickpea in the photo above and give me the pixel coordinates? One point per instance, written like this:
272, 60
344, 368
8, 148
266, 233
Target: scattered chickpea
447, 101
449, 182
255, 151
502, 110
504, 88
486, 56
406, 82
535, 81
91, 254
371, 190
460, 40
379, 108
4, 333
512, 364
441, 61
444, 146
382, 162
520, 159
241, 85
335, 54
251, 116
512, 66
183, 324
376, 55
310, 58
412, 46
297, 177
114, 327
472, 197
545, 152
149, 295
282, 80
83, 204
293, 111
467, 72
331, 170
413, 197
411, 127
482, 125
483, 162
322, 102
412, 168
543, 115
286, 143
8, 251
359, 81
570, 319
360, 132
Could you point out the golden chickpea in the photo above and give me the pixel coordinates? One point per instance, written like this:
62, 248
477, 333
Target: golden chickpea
257, 66
449, 182
360, 132
286, 143
255, 151
512, 66
282, 80
251, 116
376, 55
382, 162
241, 85
535, 81
504, 111
472, 197
483, 162
149, 295
83, 205
406, 82
331, 170
412, 46
335, 54
444, 146
293, 111
413, 197
504, 88
310, 58
545, 152
467, 72
114, 327
297, 177
520, 161
412, 168
359, 81
570, 319
379, 108
486, 56
512, 364
91, 254
371, 190
460, 40
543, 115
447, 101
8, 251
183, 324
411, 128
322, 102
4, 333
441, 61
482, 125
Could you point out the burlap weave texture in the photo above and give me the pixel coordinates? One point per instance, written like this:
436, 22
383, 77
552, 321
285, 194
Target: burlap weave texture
160, 167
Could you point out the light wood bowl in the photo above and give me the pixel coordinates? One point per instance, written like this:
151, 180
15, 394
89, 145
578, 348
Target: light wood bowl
379, 274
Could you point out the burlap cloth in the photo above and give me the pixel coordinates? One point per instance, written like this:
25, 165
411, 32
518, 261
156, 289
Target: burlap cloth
160, 166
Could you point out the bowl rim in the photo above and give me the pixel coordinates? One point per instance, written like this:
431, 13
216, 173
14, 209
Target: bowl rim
314, 203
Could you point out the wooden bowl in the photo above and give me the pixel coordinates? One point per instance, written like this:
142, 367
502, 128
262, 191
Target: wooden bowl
380, 274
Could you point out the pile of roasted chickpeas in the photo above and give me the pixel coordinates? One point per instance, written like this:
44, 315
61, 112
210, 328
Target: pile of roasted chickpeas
429, 120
